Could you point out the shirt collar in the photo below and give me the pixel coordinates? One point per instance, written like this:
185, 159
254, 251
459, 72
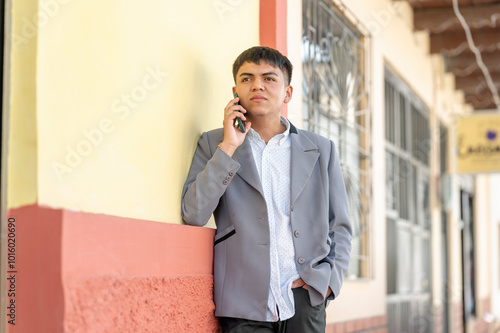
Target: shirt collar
286, 133
282, 137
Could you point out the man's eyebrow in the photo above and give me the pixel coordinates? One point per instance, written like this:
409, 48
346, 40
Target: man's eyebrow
263, 74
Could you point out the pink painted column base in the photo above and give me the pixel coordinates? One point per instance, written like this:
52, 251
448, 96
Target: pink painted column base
80, 272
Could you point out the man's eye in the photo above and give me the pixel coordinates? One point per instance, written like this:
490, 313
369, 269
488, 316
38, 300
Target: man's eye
245, 79
270, 79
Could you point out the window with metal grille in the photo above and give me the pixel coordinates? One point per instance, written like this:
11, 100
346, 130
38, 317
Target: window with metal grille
408, 207
336, 106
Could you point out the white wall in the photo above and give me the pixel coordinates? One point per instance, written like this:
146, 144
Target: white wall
495, 241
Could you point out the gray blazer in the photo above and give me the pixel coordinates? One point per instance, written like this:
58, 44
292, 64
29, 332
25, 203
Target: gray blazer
230, 188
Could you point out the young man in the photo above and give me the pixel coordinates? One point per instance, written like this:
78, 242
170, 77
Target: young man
283, 235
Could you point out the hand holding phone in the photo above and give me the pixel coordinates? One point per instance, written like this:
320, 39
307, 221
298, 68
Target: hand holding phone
239, 123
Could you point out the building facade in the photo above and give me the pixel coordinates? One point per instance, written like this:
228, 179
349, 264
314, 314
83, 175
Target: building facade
104, 102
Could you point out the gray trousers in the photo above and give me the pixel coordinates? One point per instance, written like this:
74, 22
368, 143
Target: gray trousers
307, 319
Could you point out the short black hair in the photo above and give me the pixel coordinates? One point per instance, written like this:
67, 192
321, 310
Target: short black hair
273, 57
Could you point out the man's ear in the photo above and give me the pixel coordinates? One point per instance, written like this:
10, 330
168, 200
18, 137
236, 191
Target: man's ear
234, 90
288, 94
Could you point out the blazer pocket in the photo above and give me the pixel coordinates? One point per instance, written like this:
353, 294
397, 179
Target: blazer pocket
224, 234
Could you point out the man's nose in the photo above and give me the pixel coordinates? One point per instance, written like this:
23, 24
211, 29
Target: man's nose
258, 84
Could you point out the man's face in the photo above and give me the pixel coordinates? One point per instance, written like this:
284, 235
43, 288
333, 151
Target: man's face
262, 89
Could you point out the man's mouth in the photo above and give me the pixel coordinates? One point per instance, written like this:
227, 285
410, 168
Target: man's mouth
258, 98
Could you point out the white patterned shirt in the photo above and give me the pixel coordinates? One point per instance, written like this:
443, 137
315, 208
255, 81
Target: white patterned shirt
273, 164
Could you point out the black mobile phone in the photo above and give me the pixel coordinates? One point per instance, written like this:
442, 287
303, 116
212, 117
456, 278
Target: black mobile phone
239, 123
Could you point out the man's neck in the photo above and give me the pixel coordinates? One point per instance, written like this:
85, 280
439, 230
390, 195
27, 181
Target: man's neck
267, 129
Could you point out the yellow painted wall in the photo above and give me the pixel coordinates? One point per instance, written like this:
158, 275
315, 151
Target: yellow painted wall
123, 91
21, 100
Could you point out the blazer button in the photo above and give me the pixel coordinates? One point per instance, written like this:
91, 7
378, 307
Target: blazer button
301, 260
231, 173
225, 182
228, 178
296, 234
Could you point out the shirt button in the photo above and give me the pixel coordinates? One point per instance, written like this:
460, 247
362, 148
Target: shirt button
291, 208
296, 234
301, 260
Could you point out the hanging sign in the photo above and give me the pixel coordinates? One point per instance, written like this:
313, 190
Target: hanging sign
478, 143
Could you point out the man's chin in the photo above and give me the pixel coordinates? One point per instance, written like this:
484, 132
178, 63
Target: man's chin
260, 112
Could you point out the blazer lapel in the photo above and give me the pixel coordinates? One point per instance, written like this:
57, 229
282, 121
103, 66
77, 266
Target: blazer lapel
248, 170
304, 157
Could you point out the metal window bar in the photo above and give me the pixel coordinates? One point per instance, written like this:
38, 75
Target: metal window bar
443, 148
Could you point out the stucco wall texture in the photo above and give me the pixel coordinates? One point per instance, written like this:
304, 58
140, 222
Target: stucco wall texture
153, 304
